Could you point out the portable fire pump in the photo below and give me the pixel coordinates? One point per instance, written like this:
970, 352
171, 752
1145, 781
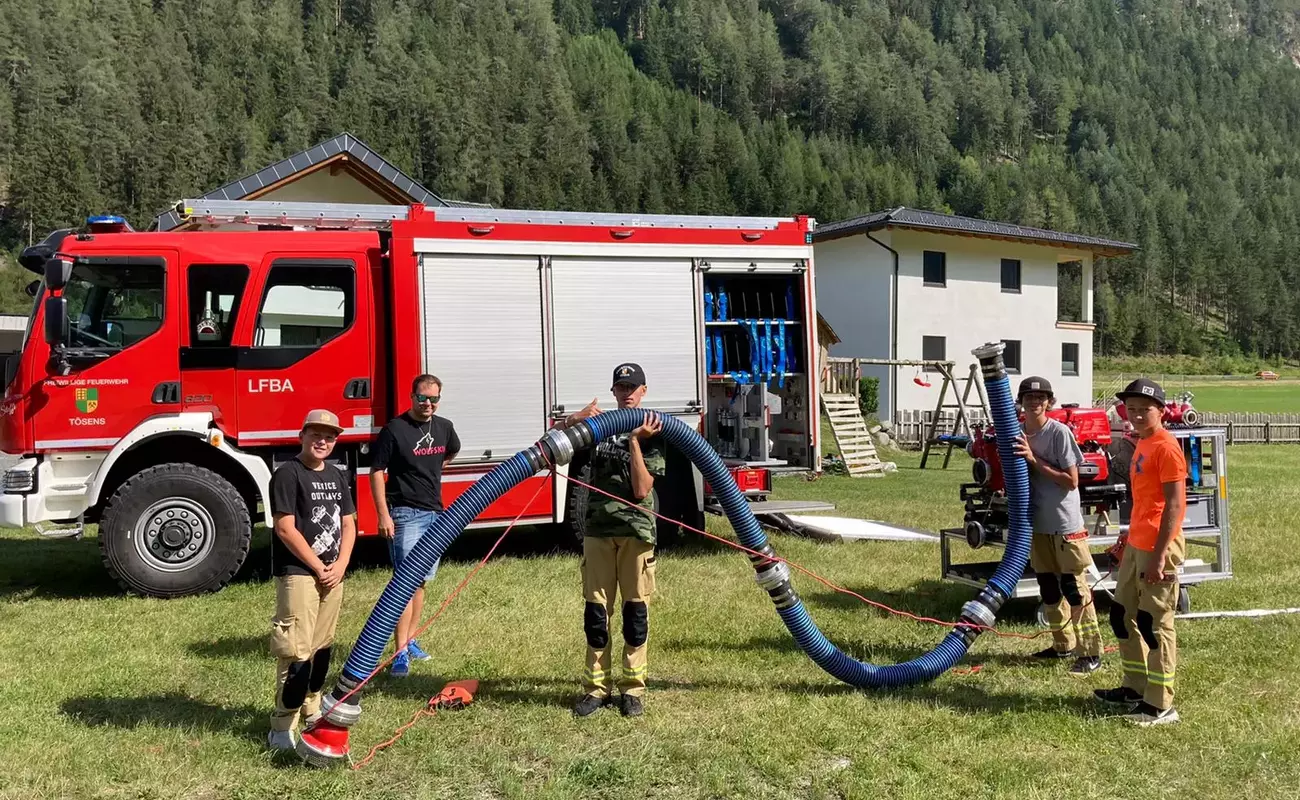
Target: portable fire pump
986, 498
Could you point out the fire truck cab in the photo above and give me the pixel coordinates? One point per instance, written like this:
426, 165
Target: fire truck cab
165, 375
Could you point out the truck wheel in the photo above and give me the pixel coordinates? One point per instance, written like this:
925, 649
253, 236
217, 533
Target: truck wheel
175, 530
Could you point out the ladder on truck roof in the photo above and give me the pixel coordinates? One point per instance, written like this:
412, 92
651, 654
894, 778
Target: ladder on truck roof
371, 217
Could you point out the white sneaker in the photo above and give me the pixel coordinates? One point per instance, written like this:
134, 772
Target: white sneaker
1146, 715
280, 740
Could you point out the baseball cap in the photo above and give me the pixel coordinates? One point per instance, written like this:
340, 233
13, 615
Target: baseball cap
1143, 387
628, 373
322, 418
1034, 384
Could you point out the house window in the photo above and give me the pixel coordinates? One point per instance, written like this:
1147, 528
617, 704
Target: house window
933, 348
1069, 358
1011, 355
306, 304
936, 268
1069, 291
1011, 275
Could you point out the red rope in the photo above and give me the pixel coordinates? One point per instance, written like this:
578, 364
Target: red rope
453, 594
819, 578
397, 734
431, 711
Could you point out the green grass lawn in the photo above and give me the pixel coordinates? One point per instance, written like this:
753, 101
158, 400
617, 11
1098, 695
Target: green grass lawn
1271, 397
1243, 395
107, 696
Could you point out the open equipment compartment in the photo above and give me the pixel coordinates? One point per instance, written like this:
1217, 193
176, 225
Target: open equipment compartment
756, 353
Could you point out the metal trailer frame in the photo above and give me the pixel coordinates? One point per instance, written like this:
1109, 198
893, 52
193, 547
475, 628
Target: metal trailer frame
1205, 528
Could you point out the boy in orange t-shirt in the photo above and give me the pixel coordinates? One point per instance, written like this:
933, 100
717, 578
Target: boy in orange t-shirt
1142, 615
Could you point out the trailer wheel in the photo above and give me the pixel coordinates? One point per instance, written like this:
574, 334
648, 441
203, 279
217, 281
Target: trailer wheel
174, 530
1184, 603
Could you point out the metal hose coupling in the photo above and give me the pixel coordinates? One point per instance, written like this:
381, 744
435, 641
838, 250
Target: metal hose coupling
981, 612
560, 444
346, 713
991, 364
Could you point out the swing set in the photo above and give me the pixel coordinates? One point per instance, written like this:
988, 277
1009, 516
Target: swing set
960, 432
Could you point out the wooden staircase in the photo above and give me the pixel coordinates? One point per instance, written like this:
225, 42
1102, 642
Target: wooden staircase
851, 435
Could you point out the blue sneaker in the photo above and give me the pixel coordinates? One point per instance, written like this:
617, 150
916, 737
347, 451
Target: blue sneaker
401, 666
414, 651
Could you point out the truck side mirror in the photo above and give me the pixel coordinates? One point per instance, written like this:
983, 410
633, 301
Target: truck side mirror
32, 288
56, 321
58, 272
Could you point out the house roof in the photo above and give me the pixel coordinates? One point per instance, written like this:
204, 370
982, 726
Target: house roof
916, 219
344, 149
826, 335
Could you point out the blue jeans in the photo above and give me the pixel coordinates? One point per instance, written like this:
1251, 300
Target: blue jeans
409, 524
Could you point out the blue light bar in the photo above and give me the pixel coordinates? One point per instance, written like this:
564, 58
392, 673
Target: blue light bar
108, 223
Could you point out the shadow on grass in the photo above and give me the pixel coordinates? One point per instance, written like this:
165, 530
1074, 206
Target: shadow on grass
929, 598
54, 569
40, 568
233, 647
167, 711
966, 696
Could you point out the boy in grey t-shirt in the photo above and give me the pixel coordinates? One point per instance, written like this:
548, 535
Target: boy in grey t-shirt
1059, 553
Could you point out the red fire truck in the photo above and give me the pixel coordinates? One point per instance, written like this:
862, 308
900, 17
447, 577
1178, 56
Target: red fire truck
169, 372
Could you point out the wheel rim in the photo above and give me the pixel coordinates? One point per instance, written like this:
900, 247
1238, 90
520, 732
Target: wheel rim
174, 534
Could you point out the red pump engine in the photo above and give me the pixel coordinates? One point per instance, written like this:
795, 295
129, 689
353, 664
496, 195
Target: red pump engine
986, 498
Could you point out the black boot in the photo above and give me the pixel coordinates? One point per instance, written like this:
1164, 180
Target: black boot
589, 705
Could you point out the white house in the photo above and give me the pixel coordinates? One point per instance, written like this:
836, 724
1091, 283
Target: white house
912, 285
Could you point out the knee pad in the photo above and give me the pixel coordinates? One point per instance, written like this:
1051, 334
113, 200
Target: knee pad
1070, 588
596, 624
320, 667
636, 622
295, 684
1147, 627
1049, 587
1117, 621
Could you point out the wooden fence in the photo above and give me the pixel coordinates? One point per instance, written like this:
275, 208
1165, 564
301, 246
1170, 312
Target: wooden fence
1243, 428
910, 426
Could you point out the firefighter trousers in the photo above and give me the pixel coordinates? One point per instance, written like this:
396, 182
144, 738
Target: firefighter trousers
1060, 563
1143, 619
302, 638
617, 566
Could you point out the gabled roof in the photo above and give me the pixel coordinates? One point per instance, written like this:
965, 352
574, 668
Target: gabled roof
915, 219
380, 175
826, 335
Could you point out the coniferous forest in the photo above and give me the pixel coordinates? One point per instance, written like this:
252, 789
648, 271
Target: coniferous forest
1174, 124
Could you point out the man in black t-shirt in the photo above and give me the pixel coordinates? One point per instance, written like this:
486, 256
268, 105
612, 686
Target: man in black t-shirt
406, 484
311, 504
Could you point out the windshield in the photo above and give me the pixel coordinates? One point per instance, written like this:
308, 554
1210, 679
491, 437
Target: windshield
114, 305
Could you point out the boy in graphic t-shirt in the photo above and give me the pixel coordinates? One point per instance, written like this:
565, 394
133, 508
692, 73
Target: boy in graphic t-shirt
312, 507
1147, 588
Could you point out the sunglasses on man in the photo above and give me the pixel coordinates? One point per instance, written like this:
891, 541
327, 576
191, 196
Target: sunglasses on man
432, 399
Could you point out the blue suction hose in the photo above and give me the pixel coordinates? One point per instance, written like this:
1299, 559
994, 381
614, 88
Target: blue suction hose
558, 446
